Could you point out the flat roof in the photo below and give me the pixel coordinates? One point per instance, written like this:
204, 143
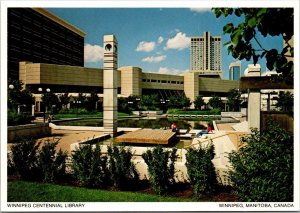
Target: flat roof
59, 21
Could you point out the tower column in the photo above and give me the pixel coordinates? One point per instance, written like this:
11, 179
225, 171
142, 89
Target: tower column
110, 86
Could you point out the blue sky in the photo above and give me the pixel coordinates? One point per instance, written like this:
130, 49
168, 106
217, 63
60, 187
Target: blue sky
155, 39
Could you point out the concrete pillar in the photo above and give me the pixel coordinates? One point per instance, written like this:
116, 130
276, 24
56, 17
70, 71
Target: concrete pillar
254, 109
110, 87
191, 86
131, 81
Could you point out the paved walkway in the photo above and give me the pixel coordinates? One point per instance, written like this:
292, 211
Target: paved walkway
67, 137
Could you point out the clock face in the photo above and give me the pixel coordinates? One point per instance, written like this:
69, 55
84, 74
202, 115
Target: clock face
108, 47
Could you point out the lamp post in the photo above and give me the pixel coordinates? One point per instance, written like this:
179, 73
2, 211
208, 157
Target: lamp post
45, 99
12, 87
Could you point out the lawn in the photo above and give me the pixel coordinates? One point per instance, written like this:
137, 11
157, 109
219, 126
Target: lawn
21, 191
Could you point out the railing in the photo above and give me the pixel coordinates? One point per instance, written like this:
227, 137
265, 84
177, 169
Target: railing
237, 134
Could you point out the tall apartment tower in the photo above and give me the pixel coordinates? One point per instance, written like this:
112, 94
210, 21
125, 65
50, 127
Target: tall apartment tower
206, 54
235, 69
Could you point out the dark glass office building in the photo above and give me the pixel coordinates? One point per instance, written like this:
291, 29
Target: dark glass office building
38, 36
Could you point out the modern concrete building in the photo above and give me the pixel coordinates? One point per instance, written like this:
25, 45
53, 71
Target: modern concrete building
130, 81
206, 54
235, 69
38, 36
53, 58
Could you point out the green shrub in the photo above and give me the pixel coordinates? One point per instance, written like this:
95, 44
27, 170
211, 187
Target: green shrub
122, 170
24, 159
216, 111
52, 164
14, 118
90, 167
201, 171
160, 168
262, 170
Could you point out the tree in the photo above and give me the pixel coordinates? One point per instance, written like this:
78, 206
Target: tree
267, 22
64, 100
234, 99
179, 102
80, 100
150, 102
50, 100
17, 96
215, 102
285, 101
199, 102
92, 100
263, 168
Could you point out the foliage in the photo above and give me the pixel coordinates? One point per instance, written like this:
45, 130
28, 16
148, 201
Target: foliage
92, 100
285, 101
234, 99
122, 170
76, 111
199, 102
216, 111
201, 171
160, 168
89, 167
64, 100
50, 100
150, 102
179, 102
19, 96
52, 164
25, 159
262, 170
215, 102
20, 191
245, 44
14, 118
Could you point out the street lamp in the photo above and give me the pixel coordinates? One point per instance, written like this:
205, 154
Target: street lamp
12, 87
45, 99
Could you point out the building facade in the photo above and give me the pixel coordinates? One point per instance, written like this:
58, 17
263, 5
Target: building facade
206, 54
38, 36
44, 51
235, 69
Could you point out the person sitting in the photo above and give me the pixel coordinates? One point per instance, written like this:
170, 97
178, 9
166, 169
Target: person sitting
208, 130
174, 127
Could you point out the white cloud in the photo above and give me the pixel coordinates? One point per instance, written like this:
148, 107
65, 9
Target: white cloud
165, 70
160, 40
145, 46
154, 59
200, 10
180, 42
93, 53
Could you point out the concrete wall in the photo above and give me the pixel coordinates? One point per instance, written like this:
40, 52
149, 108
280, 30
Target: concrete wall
131, 81
162, 81
216, 85
27, 131
191, 85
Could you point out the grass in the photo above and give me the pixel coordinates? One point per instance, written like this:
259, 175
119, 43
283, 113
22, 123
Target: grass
89, 115
20, 191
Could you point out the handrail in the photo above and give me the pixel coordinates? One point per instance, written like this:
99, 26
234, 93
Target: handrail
218, 136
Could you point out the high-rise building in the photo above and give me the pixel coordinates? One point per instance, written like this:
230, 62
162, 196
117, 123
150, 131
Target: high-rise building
206, 54
235, 71
38, 36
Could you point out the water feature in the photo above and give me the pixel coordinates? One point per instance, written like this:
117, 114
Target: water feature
142, 123
158, 123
